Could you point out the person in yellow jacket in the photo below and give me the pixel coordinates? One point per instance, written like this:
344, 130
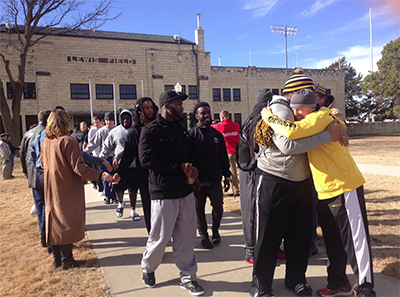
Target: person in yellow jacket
339, 184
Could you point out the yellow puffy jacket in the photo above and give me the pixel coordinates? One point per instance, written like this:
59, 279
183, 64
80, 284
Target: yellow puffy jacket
333, 169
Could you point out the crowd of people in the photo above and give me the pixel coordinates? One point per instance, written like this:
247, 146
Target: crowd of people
303, 175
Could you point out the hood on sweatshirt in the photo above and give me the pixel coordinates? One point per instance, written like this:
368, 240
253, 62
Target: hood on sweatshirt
127, 111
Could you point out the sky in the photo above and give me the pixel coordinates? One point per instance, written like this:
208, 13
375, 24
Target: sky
327, 29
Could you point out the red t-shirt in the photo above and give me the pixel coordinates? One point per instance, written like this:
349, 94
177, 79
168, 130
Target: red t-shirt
230, 130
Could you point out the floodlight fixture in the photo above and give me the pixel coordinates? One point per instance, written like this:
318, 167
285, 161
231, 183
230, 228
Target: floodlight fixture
284, 30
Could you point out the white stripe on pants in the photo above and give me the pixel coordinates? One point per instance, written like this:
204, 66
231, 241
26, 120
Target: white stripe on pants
360, 239
173, 219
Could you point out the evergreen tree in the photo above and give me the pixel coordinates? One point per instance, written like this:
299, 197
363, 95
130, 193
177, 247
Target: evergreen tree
353, 85
383, 87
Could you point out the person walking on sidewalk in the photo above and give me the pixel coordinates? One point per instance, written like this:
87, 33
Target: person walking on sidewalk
29, 169
114, 146
166, 151
64, 168
129, 170
211, 159
98, 141
230, 130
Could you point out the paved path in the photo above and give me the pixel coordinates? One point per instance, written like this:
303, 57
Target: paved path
120, 243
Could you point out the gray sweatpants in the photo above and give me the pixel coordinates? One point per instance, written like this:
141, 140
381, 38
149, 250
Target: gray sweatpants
173, 219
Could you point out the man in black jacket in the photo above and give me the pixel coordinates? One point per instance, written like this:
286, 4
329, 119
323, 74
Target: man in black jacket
133, 176
166, 151
211, 159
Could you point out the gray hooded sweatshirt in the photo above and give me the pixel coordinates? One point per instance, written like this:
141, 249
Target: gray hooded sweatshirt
288, 158
114, 144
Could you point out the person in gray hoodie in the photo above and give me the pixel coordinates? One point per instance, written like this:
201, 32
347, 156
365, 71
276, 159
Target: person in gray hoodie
113, 146
98, 140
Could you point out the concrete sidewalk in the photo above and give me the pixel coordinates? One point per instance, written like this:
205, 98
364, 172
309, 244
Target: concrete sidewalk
120, 243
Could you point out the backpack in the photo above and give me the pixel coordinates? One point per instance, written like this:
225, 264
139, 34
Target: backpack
247, 149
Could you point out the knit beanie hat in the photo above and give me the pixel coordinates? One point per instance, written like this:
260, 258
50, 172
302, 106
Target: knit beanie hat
304, 98
320, 89
298, 82
264, 96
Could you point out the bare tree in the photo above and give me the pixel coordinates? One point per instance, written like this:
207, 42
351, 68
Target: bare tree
32, 21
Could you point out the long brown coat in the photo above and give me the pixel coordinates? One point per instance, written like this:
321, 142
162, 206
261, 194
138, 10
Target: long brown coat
64, 193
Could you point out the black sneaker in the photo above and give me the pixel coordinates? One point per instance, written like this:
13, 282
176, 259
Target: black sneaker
302, 290
106, 200
206, 243
193, 287
365, 290
149, 279
216, 238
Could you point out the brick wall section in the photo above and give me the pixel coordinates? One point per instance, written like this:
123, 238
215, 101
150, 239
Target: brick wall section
156, 64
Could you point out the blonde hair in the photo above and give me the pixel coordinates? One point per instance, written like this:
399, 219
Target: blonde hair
57, 124
224, 114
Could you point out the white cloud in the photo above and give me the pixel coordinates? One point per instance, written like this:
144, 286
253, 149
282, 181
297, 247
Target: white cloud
318, 5
261, 7
358, 56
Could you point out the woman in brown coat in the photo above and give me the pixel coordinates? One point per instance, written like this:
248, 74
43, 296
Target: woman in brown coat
64, 170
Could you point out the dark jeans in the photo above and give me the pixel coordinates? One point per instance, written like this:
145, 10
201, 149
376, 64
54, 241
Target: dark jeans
38, 196
108, 191
214, 192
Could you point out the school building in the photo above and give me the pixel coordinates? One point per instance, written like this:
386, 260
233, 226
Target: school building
116, 68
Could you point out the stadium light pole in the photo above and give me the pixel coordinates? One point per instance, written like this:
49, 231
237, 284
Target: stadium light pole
284, 30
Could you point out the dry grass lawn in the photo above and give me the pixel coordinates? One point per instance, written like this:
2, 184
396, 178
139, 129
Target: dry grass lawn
26, 269
382, 194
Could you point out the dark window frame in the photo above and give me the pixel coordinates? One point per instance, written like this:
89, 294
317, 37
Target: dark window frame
192, 91
226, 97
126, 94
216, 94
103, 92
29, 91
237, 118
80, 92
237, 96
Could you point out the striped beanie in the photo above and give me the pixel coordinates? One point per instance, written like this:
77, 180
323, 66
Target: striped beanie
320, 89
298, 82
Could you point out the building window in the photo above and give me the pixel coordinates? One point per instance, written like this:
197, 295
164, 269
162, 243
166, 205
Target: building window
10, 91
168, 87
30, 120
29, 91
127, 92
227, 94
79, 91
237, 118
328, 91
104, 92
236, 95
216, 94
192, 92
184, 89
216, 117
275, 91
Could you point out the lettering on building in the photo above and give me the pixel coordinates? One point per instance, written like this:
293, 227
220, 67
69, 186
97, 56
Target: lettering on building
96, 60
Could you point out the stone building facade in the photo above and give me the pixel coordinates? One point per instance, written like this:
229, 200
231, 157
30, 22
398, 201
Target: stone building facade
70, 68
